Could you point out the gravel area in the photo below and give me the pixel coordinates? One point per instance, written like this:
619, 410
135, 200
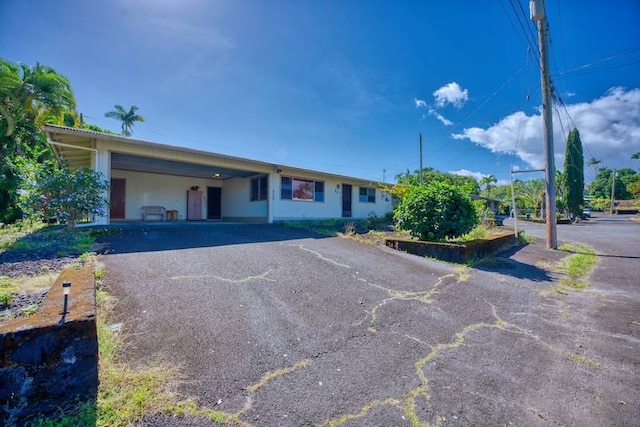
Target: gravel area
32, 262
33, 267
21, 302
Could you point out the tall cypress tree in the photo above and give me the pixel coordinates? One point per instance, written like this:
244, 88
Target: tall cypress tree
574, 174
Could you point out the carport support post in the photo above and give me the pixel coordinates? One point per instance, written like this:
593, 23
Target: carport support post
102, 164
274, 184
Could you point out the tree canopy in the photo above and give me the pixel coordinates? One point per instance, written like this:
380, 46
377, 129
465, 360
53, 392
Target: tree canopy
128, 118
573, 175
467, 184
29, 97
601, 186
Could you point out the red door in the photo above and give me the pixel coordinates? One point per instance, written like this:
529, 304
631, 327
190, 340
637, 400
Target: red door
116, 210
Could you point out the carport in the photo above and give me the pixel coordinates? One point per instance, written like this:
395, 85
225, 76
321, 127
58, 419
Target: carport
149, 179
192, 184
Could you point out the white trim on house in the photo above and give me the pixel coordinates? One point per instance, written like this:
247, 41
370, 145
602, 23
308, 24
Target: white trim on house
160, 174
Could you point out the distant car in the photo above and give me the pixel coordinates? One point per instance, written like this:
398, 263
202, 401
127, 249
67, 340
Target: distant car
586, 212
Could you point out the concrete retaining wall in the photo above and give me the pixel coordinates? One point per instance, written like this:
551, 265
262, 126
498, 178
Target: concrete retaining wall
47, 362
456, 252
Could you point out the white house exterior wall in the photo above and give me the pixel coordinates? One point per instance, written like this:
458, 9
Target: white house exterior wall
382, 205
331, 207
149, 189
237, 204
169, 191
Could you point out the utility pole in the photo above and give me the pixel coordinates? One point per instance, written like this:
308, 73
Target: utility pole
613, 192
384, 175
538, 15
420, 159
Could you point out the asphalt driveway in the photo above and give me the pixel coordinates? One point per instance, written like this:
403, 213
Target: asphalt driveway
283, 327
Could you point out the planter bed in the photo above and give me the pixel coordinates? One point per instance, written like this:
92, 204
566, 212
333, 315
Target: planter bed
456, 252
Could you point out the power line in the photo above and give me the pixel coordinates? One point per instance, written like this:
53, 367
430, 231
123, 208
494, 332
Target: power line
605, 58
602, 68
531, 45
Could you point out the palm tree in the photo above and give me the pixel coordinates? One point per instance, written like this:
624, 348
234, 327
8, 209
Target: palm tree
594, 162
39, 92
128, 118
487, 181
636, 156
531, 193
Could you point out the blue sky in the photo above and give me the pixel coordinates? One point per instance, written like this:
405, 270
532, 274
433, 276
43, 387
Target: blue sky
346, 86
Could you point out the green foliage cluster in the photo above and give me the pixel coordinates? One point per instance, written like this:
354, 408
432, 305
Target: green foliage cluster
29, 97
435, 211
626, 182
466, 184
57, 193
128, 118
573, 175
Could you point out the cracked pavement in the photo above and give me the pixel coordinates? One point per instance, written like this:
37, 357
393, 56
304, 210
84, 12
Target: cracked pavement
278, 326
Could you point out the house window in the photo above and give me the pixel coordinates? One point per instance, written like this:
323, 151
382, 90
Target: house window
367, 195
302, 189
259, 188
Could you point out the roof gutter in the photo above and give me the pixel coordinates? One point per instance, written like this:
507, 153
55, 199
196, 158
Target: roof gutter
60, 144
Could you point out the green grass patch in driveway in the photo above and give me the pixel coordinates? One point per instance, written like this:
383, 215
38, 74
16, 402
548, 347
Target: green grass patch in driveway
577, 266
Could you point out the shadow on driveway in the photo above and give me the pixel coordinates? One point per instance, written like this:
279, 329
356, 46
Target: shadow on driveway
505, 264
151, 238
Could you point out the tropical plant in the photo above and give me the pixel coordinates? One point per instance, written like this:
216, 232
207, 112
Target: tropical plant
487, 181
594, 162
29, 97
636, 156
467, 184
40, 91
435, 211
601, 186
52, 192
573, 182
531, 194
128, 118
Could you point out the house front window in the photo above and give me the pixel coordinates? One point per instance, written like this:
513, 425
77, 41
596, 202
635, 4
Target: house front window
367, 195
300, 189
259, 187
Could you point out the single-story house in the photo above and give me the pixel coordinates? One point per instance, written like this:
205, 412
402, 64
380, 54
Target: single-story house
150, 180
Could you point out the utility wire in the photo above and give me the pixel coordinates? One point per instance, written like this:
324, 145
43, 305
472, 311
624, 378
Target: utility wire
596, 61
532, 50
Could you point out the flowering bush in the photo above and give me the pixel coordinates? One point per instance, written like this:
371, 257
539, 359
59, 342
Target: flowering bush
53, 192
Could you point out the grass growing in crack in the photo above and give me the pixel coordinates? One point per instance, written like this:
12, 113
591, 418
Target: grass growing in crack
126, 393
526, 238
581, 360
577, 266
191, 408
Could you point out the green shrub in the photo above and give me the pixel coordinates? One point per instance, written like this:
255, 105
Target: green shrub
436, 211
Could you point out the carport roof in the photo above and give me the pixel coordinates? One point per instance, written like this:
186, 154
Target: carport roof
76, 146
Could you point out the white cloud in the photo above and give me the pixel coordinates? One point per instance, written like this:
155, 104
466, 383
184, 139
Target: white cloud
609, 128
570, 94
419, 103
465, 172
478, 176
451, 93
440, 117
